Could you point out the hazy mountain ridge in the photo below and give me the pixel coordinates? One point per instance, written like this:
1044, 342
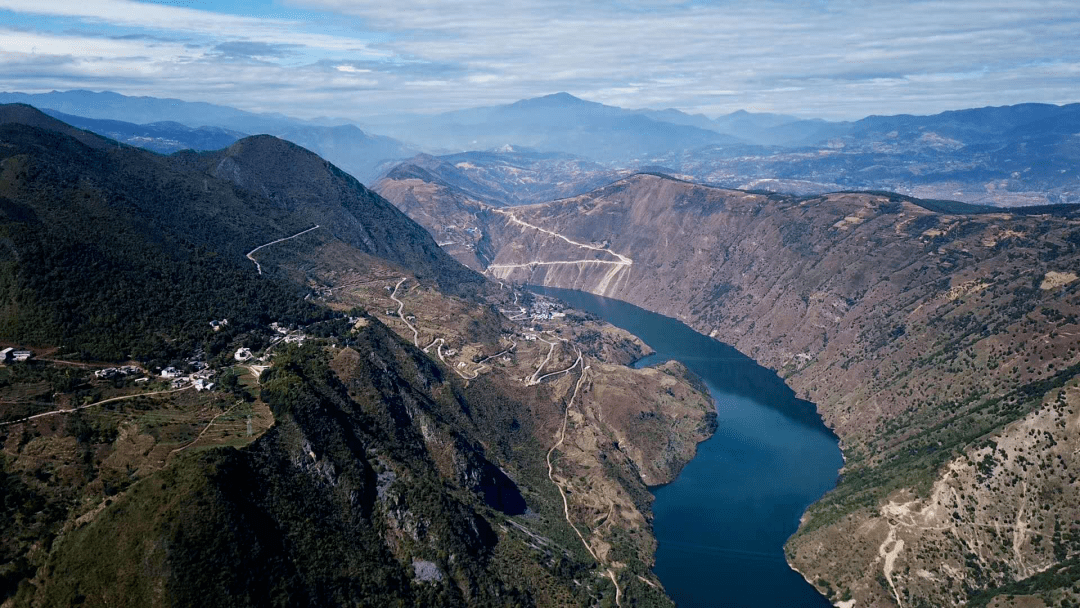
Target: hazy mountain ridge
1004, 156
345, 145
164, 137
556, 123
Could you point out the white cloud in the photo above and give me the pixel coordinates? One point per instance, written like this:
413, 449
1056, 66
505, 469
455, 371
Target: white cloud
833, 58
34, 43
351, 69
139, 14
130, 13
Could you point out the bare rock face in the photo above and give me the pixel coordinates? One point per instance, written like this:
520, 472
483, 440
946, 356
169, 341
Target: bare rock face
926, 336
1003, 510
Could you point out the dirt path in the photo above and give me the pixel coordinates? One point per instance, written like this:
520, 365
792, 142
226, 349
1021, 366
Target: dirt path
622, 259
257, 265
96, 403
203, 432
562, 492
75, 363
438, 344
549, 375
551, 351
551, 468
400, 314
889, 553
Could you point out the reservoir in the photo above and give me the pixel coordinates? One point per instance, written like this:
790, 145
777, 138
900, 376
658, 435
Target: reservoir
722, 524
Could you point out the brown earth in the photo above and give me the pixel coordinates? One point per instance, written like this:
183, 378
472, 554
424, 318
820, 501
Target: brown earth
626, 430
921, 334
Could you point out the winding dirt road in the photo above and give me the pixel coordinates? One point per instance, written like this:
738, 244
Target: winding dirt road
257, 265
96, 403
562, 492
400, 314
622, 262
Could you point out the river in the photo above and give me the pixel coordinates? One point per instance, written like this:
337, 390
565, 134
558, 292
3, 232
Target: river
722, 524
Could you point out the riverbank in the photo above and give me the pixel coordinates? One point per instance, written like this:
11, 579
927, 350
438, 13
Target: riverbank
722, 523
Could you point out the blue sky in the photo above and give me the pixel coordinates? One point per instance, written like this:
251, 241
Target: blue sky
354, 58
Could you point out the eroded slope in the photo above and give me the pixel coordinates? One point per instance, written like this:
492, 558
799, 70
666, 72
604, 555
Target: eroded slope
920, 333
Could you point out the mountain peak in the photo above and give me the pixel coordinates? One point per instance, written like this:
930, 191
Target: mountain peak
562, 99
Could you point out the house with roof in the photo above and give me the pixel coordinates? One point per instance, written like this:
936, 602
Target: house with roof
15, 355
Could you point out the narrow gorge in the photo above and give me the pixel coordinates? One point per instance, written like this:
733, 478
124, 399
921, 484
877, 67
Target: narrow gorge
940, 344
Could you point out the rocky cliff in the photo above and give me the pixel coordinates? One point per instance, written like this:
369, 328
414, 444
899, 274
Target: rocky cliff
938, 340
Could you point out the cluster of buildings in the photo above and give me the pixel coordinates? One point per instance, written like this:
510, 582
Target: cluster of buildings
544, 310
15, 355
115, 372
199, 379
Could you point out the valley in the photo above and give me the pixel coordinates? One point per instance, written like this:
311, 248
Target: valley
488, 444
926, 333
341, 303
362, 425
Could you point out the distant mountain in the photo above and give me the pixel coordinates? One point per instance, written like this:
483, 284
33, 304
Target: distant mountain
976, 125
165, 137
758, 128
107, 105
513, 176
345, 145
556, 123
1007, 157
1004, 156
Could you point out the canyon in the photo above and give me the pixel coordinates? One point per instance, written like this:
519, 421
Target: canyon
937, 341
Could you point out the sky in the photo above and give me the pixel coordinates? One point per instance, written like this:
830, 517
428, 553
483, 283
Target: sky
356, 58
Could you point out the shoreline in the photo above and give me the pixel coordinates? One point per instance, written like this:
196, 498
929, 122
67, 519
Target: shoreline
728, 372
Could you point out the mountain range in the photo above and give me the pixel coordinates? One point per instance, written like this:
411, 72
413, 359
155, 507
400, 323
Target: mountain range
255, 382
388, 426
203, 126
938, 339
1003, 156
555, 123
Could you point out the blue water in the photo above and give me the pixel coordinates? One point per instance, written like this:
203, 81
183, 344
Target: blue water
722, 524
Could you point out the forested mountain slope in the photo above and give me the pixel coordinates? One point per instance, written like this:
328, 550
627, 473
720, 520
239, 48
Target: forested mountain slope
369, 427
141, 225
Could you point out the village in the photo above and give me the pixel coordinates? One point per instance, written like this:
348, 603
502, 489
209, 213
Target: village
201, 373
